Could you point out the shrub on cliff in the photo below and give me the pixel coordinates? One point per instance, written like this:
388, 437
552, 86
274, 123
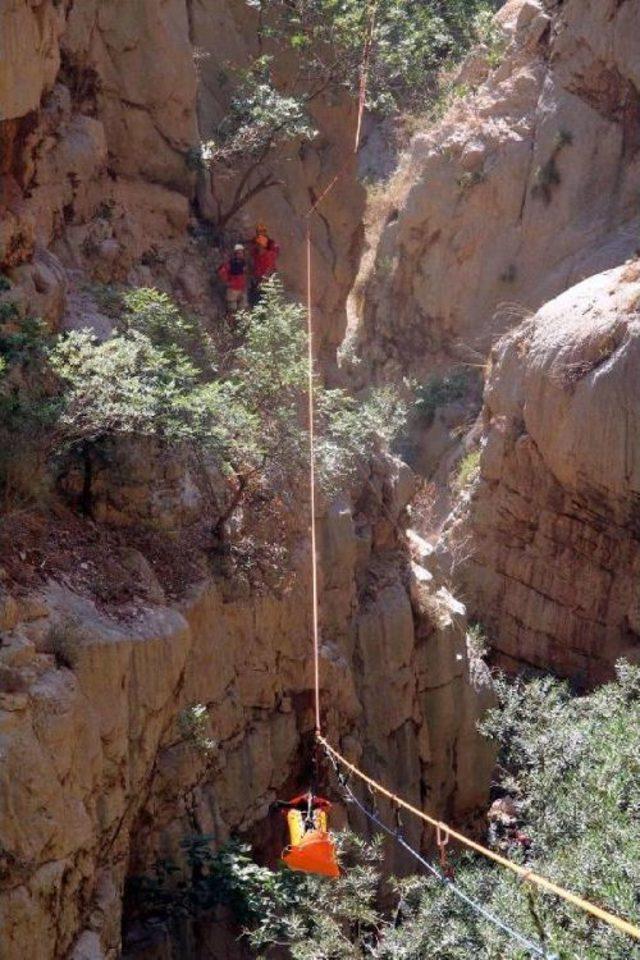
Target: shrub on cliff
258, 119
158, 376
570, 770
411, 44
28, 411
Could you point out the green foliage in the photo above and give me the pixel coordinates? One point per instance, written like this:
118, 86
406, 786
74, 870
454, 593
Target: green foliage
5, 283
467, 470
438, 391
446, 95
9, 312
312, 916
193, 723
206, 880
470, 179
547, 176
107, 296
26, 342
125, 385
158, 376
477, 643
258, 118
154, 315
572, 767
412, 43
352, 429
28, 411
490, 34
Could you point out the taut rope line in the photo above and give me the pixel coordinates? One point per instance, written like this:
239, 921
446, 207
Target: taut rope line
311, 401
527, 876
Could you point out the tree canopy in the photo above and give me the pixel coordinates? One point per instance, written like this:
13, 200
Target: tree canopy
412, 43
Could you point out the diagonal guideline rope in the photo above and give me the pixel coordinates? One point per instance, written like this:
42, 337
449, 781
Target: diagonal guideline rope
529, 945
527, 876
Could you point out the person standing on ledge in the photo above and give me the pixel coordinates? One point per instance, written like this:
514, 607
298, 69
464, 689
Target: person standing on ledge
264, 251
233, 273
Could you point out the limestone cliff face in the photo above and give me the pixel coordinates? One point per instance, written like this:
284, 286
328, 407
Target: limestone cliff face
527, 185
97, 778
100, 106
554, 515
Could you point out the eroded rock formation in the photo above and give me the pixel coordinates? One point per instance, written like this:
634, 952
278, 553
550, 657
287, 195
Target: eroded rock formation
554, 516
101, 107
101, 110
98, 778
527, 185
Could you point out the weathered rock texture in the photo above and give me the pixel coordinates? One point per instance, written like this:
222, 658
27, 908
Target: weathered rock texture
101, 107
529, 184
555, 518
97, 778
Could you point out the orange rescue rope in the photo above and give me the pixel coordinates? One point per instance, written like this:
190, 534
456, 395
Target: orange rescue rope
311, 404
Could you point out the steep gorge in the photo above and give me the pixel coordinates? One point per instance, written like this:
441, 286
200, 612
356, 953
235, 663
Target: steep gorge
110, 634
527, 185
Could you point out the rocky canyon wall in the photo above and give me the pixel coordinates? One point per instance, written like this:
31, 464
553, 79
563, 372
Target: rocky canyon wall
527, 185
98, 778
553, 518
101, 106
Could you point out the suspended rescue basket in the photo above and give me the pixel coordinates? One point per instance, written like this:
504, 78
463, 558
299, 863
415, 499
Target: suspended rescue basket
311, 848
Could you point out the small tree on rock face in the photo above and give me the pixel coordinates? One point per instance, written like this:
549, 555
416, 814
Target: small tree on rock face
411, 44
158, 377
259, 119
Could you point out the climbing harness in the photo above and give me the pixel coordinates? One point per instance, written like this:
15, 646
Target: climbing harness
311, 849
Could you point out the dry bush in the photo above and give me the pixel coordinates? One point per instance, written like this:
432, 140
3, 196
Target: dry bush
424, 514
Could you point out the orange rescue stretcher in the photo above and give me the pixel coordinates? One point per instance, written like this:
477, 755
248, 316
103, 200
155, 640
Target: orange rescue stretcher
311, 848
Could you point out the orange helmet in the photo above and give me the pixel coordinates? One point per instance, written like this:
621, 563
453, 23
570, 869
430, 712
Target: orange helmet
261, 230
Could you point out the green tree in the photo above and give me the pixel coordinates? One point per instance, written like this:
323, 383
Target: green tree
571, 766
412, 43
158, 376
28, 411
258, 119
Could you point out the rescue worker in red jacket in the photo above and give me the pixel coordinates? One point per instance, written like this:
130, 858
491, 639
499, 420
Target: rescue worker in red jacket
264, 253
233, 274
